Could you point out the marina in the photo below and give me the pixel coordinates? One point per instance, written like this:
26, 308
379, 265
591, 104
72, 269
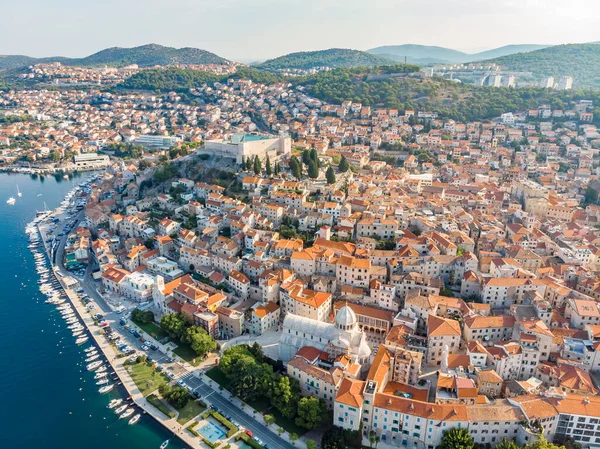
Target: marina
74, 393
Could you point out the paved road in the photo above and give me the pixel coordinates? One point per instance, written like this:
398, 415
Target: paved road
225, 406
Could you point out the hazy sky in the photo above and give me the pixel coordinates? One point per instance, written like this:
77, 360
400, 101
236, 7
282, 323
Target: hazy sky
259, 29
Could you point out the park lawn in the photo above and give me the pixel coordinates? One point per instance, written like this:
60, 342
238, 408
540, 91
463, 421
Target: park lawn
217, 375
187, 354
153, 330
146, 378
189, 411
160, 405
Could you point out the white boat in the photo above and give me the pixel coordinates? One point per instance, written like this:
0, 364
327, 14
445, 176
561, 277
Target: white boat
135, 419
121, 409
81, 340
92, 358
102, 369
106, 388
94, 365
114, 403
11, 201
164, 444
90, 349
100, 375
102, 382
128, 413
77, 333
19, 194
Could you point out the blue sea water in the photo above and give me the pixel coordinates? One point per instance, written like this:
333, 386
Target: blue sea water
48, 400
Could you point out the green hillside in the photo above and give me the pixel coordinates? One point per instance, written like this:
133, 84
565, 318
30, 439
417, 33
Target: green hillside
458, 101
426, 54
334, 58
181, 80
581, 61
417, 53
144, 56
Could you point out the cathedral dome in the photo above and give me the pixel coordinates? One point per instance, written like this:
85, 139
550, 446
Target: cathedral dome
345, 318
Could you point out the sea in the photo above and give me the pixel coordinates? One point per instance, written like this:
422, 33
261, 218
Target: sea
48, 399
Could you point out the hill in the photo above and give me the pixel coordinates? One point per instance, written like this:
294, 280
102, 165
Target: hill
333, 57
457, 101
581, 61
424, 54
144, 56
182, 80
504, 51
416, 53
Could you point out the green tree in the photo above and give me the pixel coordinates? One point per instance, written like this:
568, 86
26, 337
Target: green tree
542, 443
310, 444
344, 165
507, 444
175, 324
269, 419
312, 412
142, 316
330, 175
293, 436
268, 169
313, 170
296, 167
277, 169
199, 340
257, 165
457, 438
306, 157
55, 156
591, 196
284, 395
314, 156
248, 164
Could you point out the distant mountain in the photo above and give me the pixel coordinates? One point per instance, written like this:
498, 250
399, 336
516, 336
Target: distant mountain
334, 58
581, 61
424, 54
414, 52
505, 51
144, 56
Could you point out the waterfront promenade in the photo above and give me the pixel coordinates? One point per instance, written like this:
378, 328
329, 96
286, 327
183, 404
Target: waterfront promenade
210, 392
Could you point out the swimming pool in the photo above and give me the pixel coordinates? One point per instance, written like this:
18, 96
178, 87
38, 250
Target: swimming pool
211, 432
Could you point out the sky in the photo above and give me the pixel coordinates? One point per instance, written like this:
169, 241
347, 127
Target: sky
260, 29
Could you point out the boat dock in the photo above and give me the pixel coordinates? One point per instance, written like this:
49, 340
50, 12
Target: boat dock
110, 354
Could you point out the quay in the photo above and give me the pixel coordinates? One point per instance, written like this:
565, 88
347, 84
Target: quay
110, 354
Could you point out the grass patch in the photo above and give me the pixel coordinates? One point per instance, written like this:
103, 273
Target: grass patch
189, 411
146, 378
188, 354
153, 330
160, 405
217, 375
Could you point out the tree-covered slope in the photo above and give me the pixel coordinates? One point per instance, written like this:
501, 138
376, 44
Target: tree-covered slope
449, 99
581, 61
334, 58
144, 56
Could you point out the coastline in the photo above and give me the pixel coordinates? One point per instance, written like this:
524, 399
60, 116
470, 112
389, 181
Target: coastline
109, 353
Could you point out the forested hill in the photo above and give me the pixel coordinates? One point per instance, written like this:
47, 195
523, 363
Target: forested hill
334, 58
581, 61
144, 56
180, 80
458, 101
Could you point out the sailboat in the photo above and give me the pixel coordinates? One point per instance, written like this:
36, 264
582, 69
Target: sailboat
11, 201
19, 194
